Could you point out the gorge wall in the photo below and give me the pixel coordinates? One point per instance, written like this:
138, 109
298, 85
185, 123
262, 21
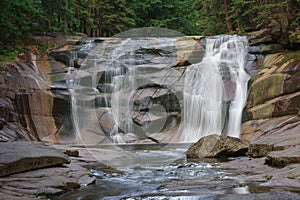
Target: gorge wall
274, 92
33, 108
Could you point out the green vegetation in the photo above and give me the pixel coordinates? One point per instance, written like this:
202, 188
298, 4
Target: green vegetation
19, 20
290, 55
6, 55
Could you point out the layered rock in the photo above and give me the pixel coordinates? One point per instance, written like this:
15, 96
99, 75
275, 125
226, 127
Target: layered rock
57, 175
272, 122
18, 157
274, 91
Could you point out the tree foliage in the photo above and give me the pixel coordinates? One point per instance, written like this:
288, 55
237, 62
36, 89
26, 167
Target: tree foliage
173, 14
21, 18
237, 16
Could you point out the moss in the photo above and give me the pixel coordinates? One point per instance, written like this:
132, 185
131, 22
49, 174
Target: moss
290, 55
7, 55
266, 89
245, 116
42, 48
262, 111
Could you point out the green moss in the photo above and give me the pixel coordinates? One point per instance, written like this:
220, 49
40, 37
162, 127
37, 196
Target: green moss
266, 89
245, 116
7, 55
289, 55
42, 48
263, 111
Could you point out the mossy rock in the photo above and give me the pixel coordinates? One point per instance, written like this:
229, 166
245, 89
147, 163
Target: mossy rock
266, 88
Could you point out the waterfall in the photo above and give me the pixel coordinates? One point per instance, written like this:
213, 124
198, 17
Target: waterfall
216, 89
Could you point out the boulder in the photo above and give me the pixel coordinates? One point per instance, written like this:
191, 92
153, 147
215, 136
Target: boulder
24, 156
214, 146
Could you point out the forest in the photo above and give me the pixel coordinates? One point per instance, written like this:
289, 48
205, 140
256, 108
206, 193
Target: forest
21, 19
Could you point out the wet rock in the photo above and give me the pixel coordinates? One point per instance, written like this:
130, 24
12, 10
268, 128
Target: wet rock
274, 195
24, 156
217, 146
285, 157
106, 120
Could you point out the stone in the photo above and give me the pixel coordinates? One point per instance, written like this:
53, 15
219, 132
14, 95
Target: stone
255, 129
271, 48
7, 110
72, 153
18, 157
285, 157
43, 183
13, 131
259, 150
214, 146
282, 137
280, 106
260, 37
106, 120
274, 91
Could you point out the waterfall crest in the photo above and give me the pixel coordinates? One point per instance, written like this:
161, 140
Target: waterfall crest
216, 89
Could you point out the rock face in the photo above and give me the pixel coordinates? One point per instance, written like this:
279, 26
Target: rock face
24, 156
274, 92
272, 122
28, 108
214, 146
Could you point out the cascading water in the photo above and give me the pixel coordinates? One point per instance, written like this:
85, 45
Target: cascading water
127, 86
216, 89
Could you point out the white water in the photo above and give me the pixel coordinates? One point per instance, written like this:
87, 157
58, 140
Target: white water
219, 80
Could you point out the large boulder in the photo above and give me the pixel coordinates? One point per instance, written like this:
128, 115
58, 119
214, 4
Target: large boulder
24, 156
214, 146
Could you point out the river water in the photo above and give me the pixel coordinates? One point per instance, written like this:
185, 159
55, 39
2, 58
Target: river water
163, 173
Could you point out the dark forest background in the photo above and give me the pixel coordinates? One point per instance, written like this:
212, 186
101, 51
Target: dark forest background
20, 19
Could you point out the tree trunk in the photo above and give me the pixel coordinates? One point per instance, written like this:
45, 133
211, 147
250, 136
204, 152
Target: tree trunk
228, 22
